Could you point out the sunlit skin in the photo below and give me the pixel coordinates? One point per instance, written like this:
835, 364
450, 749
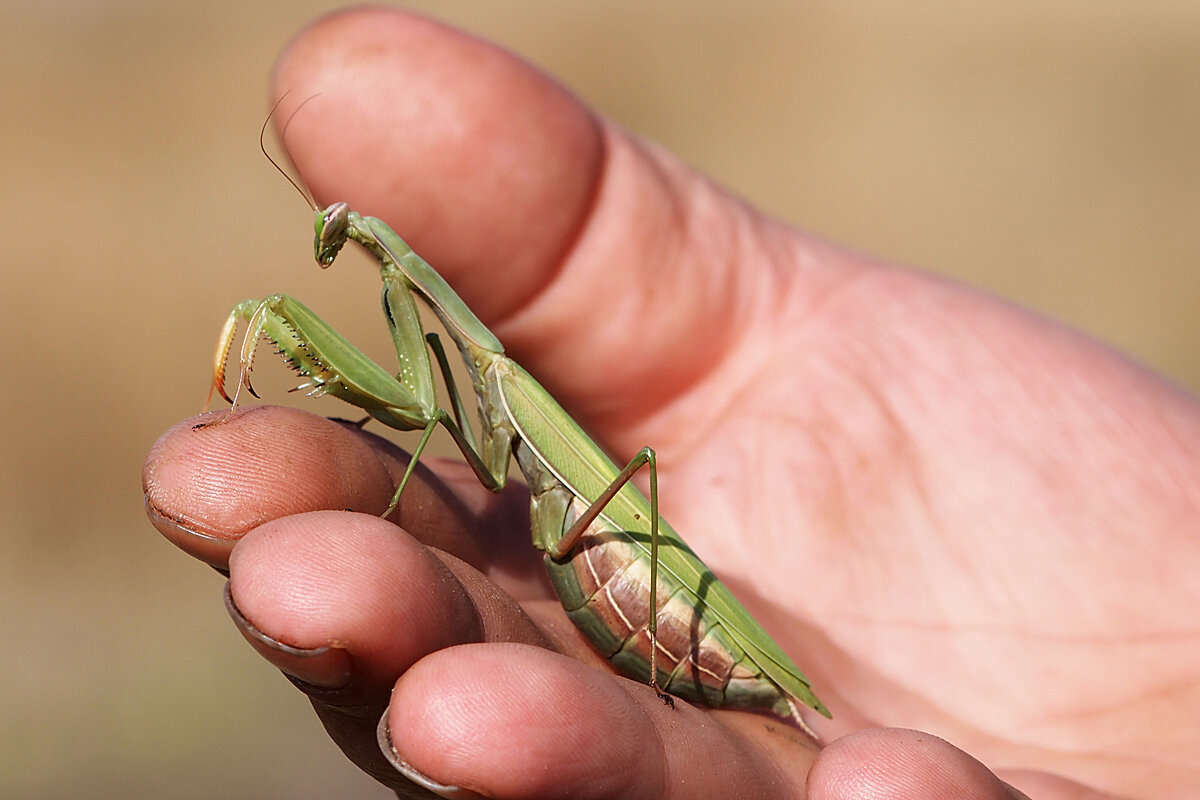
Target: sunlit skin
959, 517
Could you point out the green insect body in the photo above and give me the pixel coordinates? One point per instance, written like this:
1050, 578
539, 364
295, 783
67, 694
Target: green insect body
610, 556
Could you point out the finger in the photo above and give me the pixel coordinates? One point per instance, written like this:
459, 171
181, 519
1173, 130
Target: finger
476, 158
514, 721
491, 169
206, 487
899, 764
345, 603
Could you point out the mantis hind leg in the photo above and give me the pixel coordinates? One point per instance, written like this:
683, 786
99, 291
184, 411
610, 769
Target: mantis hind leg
644, 458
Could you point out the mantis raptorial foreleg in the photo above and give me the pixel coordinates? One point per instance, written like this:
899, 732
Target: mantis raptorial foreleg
405, 401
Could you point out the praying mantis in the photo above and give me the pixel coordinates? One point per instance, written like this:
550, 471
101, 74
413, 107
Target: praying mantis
610, 556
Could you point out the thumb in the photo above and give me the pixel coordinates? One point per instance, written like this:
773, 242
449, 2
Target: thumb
577, 244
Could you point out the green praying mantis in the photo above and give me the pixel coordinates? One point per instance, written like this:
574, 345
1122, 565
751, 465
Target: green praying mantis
611, 557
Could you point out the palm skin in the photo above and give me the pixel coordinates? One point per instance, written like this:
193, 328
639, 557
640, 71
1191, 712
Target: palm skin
958, 517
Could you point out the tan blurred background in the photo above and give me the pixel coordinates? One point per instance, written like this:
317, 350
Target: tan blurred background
1046, 150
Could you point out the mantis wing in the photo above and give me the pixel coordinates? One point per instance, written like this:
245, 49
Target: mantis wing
587, 471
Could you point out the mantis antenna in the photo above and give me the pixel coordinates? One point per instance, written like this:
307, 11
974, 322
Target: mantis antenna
262, 145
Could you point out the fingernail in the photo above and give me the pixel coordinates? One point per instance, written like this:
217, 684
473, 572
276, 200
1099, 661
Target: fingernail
314, 670
384, 734
213, 550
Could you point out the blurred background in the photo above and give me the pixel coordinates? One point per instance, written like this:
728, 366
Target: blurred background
1045, 150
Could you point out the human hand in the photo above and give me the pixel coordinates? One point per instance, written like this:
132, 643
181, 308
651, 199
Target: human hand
956, 516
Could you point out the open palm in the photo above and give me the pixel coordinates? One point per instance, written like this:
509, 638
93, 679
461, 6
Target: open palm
956, 516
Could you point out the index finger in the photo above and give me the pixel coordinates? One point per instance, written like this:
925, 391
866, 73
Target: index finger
205, 488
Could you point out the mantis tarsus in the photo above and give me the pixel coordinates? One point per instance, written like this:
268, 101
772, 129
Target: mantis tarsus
610, 556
